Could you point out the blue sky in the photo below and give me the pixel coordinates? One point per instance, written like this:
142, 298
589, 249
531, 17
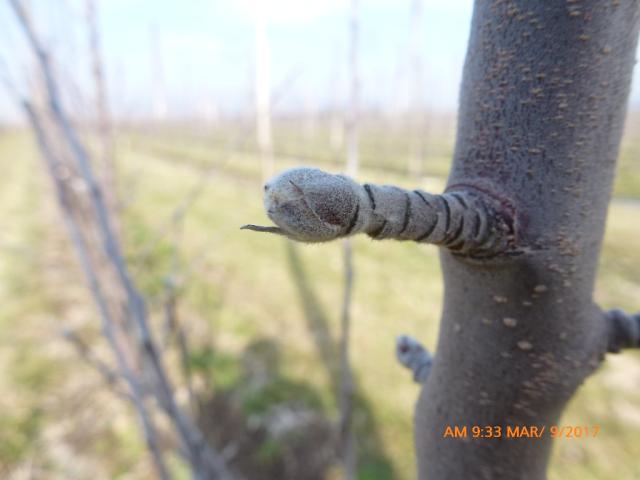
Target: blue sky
207, 51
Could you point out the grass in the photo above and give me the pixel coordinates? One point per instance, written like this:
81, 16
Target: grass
240, 286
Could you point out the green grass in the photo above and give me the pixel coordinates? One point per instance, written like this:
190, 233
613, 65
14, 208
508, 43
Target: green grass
240, 286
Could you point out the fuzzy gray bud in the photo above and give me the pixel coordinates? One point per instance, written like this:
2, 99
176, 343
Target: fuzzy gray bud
310, 205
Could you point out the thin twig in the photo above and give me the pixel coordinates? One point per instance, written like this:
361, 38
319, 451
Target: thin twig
110, 376
171, 318
205, 462
173, 326
105, 127
347, 438
178, 213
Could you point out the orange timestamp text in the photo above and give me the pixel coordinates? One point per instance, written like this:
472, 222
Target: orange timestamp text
521, 431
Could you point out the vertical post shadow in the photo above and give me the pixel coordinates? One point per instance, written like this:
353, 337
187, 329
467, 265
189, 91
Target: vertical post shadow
372, 460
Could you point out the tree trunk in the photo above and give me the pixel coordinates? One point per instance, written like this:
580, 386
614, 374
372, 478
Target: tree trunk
542, 108
415, 112
107, 161
262, 93
541, 115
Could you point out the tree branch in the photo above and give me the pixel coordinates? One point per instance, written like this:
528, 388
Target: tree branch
347, 437
310, 205
175, 329
105, 126
110, 376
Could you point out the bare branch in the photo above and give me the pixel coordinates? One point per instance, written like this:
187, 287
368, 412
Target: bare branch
204, 460
110, 376
173, 326
179, 213
286, 85
108, 324
6, 79
105, 127
347, 437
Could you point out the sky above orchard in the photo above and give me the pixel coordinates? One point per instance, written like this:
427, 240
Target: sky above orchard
206, 51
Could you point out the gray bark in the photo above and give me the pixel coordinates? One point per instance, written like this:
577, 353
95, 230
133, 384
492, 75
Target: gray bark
542, 108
